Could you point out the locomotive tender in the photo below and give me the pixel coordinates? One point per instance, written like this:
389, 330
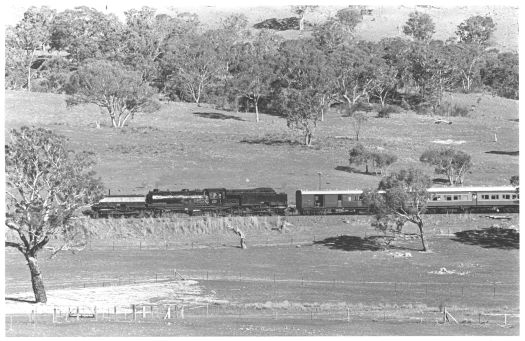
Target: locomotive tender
266, 201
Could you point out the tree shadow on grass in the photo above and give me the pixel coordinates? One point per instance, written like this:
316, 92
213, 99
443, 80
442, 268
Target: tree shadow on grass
19, 300
490, 238
440, 181
354, 243
349, 243
349, 169
504, 152
217, 116
270, 141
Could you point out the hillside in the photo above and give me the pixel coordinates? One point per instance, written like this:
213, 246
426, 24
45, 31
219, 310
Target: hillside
385, 21
186, 146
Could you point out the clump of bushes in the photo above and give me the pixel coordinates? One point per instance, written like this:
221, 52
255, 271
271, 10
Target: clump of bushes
452, 110
384, 112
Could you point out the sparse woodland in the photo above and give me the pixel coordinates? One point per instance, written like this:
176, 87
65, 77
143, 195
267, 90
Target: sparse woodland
237, 67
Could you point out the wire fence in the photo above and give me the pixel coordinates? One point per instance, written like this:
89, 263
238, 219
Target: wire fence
168, 312
399, 291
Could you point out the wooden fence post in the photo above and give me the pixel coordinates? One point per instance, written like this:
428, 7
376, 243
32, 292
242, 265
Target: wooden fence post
207, 309
54, 314
115, 312
78, 314
134, 309
143, 312
348, 314
95, 313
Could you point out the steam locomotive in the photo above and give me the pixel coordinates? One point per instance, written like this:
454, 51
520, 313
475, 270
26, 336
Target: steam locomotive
266, 201
213, 201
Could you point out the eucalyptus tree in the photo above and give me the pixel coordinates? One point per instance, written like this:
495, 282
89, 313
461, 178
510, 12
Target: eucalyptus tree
400, 197
46, 183
85, 33
122, 92
305, 79
251, 68
419, 26
30, 37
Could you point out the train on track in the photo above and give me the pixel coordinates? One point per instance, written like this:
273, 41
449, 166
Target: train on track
266, 201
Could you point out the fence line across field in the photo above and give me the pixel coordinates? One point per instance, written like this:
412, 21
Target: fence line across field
426, 289
167, 312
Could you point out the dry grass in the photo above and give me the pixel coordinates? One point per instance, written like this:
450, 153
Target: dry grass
185, 146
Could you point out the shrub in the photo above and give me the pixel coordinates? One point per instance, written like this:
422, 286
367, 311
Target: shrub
384, 112
423, 109
453, 110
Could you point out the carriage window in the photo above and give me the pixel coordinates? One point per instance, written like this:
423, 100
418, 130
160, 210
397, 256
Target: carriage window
349, 198
339, 197
494, 197
448, 197
456, 197
436, 198
514, 196
506, 196
485, 197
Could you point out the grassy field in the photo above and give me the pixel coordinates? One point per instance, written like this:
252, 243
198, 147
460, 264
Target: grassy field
186, 146
343, 267
329, 262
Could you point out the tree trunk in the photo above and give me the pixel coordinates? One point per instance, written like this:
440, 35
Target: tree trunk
308, 139
256, 111
29, 71
36, 280
301, 23
420, 226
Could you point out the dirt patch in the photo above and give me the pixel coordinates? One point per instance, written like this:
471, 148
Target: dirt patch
172, 292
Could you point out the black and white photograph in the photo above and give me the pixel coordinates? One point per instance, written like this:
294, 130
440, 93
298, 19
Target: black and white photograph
266, 168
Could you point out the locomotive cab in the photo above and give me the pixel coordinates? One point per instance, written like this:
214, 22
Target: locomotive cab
215, 196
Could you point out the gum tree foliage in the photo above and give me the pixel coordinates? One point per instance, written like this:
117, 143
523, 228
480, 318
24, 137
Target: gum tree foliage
196, 62
354, 73
251, 68
337, 30
304, 84
109, 85
515, 180
45, 184
501, 73
419, 26
468, 59
433, 70
85, 33
383, 160
147, 36
24, 42
401, 197
449, 161
359, 155
379, 159
476, 30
